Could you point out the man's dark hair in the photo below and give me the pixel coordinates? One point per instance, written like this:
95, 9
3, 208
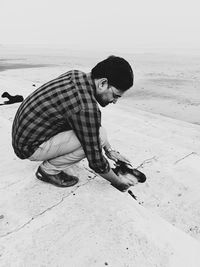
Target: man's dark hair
117, 70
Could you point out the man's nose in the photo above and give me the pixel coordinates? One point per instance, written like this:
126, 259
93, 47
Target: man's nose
114, 101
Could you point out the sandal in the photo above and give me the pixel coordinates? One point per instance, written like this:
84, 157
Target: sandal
61, 179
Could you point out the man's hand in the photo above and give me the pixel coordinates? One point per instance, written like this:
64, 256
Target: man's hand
115, 156
118, 181
124, 184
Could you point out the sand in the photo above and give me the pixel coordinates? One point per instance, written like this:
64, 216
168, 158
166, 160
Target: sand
172, 80
93, 224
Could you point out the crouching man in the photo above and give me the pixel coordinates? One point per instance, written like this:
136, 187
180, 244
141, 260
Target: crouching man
60, 123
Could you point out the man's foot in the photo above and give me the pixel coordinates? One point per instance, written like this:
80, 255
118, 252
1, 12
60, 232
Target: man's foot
61, 179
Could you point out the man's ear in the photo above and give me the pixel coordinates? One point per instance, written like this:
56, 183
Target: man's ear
103, 83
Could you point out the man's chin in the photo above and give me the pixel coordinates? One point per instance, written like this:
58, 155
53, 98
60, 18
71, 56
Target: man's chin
103, 104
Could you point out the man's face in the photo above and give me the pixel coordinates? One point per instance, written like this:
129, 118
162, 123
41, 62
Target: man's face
106, 94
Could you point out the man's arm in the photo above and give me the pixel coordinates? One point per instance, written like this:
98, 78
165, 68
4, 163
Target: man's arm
86, 124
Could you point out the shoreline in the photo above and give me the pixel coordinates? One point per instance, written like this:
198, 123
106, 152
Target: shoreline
14, 66
21, 66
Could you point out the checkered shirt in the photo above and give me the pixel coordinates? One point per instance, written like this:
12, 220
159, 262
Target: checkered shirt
65, 103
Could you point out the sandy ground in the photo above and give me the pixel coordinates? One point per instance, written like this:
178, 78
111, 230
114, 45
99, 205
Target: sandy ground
93, 224
167, 85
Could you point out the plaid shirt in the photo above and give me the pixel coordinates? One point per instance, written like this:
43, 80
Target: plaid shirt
65, 103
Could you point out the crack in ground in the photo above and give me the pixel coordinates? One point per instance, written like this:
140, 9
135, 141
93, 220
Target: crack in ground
11, 184
65, 196
192, 153
48, 209
146, 161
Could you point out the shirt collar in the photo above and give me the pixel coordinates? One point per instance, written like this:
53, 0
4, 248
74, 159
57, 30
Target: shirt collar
79, 77
83, 78
91, 81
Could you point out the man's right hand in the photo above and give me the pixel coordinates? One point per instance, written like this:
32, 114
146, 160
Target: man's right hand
121, 187
118, 181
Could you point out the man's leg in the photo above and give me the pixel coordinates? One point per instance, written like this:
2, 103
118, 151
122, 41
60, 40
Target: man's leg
59, 152
62, 151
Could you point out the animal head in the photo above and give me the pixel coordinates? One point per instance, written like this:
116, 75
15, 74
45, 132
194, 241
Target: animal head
5, 94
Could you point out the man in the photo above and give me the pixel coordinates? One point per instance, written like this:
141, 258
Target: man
60, 123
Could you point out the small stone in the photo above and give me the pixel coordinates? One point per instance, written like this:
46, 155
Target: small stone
106, 263
1, 217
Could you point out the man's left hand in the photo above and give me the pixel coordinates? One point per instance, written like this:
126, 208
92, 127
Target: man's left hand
115, 156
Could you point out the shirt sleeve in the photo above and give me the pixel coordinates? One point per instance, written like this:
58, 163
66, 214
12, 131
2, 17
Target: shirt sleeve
86, 124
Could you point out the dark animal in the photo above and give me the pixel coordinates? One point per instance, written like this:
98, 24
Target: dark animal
124, 168
12, 99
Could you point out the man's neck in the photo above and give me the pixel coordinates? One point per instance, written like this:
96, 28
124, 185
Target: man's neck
92, 81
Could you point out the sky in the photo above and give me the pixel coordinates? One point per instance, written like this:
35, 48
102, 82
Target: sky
122, 25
